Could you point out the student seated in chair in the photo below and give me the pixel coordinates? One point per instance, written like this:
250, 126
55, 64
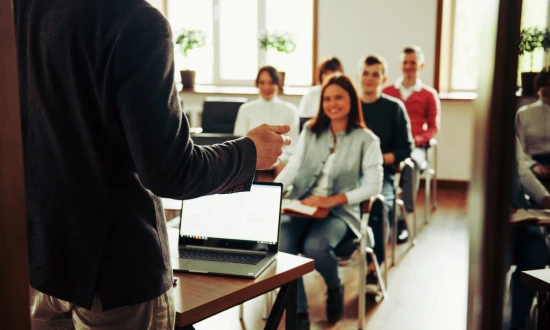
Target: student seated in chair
533, 130
529, 246
387, 118
309, 105
424, 109
268, 108
337, 163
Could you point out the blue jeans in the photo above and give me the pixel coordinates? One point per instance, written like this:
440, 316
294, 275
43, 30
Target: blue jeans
375, 221
316, 239
530, 252
418, 156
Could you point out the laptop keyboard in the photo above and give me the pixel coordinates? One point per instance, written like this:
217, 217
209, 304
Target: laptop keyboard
234, 257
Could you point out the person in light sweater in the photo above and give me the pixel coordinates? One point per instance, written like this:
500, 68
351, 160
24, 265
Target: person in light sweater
337, 164
529, 250
309, 105
268, 109
533, 130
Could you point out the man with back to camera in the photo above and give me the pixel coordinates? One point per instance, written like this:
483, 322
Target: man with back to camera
103, 135
533, 130
424, 109
387, 118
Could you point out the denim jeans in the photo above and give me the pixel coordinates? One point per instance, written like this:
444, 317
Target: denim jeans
418, 157
375, 221
530, 252
316, 239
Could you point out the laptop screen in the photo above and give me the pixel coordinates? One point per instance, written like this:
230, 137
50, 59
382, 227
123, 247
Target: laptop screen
226, 219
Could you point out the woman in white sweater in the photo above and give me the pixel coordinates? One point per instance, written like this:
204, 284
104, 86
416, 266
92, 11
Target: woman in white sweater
268, 109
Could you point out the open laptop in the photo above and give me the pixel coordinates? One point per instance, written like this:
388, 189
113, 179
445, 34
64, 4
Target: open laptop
230, 234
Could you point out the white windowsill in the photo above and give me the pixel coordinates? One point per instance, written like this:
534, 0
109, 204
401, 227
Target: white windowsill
238, 90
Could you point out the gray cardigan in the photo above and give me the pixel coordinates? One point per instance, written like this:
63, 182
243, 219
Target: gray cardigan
357, 169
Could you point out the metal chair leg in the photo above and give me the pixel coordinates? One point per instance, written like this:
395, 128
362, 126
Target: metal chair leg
434, 167
362, 284
394, 231
433, 174
381, 281
427, 191
406, 218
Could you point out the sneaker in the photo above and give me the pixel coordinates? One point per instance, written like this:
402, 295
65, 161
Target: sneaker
402, 232
303, 321
372, 289
335, 304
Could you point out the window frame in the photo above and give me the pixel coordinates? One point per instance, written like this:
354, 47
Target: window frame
216, 79
445, 46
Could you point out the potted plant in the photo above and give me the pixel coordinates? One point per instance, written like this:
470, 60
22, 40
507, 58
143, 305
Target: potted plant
188, 40
546, 47
531, 39
281, 43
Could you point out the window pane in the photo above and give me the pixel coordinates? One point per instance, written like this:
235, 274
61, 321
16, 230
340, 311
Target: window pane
295, 17
465, 57
193, 15
534, 14
238, 39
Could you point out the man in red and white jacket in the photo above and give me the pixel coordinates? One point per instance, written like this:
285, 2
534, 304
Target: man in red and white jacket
421, 101
422, 104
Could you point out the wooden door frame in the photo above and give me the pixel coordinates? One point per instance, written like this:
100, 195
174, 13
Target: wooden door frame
490, 191
14, 265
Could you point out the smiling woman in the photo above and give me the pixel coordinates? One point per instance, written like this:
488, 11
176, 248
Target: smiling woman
336, 164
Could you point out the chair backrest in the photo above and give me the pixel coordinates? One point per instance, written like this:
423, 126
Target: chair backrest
206, 139
303, 120
219, 114
350, 243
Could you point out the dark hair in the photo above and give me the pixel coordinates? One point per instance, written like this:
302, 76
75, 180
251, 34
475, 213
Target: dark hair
542, 79
273, 73
415, 50
328, 64
355, 118
372, 60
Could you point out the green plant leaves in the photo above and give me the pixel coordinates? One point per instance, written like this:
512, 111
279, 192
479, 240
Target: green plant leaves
280, 42
533, 38
190, 39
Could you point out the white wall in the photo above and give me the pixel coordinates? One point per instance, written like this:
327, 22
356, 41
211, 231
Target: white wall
350, 29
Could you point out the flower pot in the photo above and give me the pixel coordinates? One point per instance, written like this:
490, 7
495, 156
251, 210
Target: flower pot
188, 78
528, 83
281, 80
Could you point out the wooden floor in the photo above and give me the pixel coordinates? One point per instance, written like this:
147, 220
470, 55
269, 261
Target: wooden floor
427, 289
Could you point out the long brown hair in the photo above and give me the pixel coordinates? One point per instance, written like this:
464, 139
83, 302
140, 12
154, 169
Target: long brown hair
355, 118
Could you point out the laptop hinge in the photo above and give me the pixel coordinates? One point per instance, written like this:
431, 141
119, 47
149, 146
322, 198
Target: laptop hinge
223, 249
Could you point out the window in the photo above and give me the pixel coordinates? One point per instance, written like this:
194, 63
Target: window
231, 55
462, 23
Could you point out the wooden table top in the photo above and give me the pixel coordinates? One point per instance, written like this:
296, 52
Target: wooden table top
199, 296
536, 279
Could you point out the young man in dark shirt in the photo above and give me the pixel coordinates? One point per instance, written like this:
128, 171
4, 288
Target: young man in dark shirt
387, 118
103, 136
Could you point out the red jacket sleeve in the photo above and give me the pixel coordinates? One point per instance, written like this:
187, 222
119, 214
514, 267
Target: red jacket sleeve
433, 118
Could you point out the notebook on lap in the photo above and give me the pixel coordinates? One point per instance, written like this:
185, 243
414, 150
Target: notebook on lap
231, 234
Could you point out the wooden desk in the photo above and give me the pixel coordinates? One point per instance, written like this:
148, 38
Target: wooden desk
198, 297
540, 281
